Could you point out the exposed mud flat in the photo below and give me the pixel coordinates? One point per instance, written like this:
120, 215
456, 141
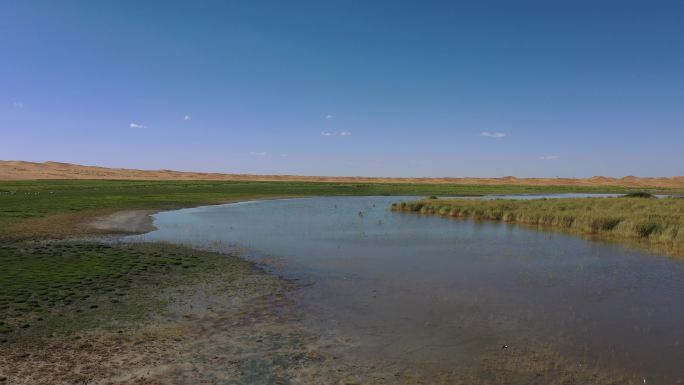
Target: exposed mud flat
129, 221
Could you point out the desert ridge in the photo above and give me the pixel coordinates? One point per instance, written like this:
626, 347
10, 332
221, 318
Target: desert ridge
23, 170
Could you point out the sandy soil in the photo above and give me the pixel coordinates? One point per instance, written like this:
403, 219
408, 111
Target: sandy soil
20, 170
130, 221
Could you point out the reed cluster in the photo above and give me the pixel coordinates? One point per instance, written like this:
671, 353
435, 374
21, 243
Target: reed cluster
658, 223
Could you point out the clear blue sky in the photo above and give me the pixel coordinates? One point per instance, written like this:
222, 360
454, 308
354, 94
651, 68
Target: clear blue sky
386, 88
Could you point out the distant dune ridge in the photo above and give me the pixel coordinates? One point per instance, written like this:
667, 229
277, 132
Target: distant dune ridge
21, 170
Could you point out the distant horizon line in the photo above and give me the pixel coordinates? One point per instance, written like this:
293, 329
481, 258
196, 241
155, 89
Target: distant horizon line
64, 170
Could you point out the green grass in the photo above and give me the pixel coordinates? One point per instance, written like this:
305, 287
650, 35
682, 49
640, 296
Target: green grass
67, 286
38, 278
656, 223
22, 201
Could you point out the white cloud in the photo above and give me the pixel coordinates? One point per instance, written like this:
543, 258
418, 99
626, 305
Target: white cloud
260, 153
187, 117
18, 105
549, 157
341, 133
137, 125
329, 116
497, 135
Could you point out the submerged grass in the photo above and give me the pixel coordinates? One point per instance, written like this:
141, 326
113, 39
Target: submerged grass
656, 223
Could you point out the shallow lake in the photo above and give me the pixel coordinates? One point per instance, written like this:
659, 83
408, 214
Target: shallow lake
432, 291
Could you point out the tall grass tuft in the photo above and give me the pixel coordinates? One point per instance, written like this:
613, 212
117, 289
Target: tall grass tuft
658, 223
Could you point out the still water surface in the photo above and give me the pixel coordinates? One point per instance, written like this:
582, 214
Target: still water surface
431, 290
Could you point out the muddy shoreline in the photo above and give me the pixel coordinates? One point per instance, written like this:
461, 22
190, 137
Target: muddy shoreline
128, 222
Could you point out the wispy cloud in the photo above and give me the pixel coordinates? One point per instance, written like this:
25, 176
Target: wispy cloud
549, 157
331, 133
329, 116
497, 135
187, 118
260, 153
137, 125
18, 105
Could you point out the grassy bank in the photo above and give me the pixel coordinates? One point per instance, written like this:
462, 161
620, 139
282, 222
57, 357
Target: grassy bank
656, 223
62, 287
44, 209
79, 312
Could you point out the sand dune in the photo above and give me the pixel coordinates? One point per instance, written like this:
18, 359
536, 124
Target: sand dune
21, 170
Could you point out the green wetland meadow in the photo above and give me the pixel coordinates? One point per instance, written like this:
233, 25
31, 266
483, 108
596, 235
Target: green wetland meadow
59, 286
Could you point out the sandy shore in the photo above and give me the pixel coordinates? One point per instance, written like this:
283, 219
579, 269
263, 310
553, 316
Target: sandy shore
129, 221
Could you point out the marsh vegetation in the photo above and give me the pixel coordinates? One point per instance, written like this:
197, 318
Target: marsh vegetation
61, 287
74, 312
657, 223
